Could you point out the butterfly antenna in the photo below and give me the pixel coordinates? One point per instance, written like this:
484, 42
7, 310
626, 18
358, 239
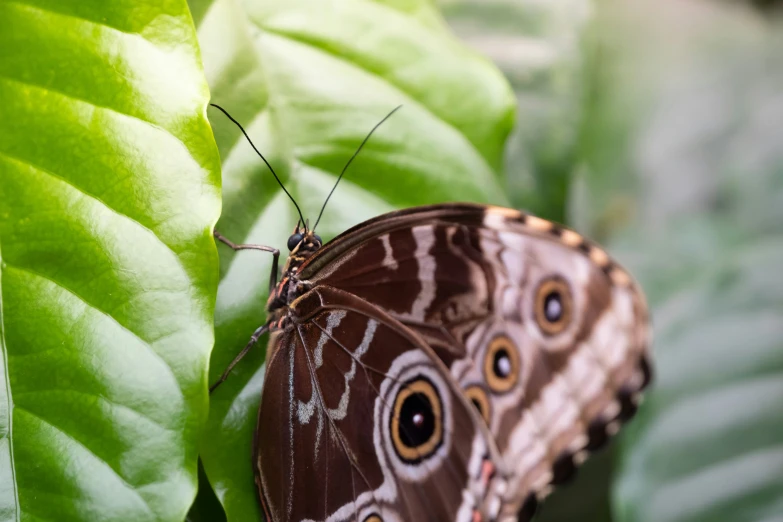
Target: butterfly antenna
350, 160
301, 217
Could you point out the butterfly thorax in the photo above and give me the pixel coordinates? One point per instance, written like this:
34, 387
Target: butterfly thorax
302, 244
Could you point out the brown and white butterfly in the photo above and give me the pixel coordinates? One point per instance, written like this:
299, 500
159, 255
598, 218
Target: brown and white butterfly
450, 362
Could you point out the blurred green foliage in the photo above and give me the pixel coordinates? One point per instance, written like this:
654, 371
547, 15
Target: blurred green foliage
679, 168
541, 49
707, 243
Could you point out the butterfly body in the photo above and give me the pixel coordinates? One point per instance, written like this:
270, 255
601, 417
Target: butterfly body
291, 286
450, 362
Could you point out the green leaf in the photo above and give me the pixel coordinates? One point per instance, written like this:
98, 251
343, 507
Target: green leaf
206, 507
540, 48
706, 242
586, 497
109, 189
309, 79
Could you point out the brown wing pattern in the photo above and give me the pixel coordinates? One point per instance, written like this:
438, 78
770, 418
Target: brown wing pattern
546, 335
360, 421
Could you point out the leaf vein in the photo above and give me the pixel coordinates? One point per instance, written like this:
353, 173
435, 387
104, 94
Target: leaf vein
27, 162
74, 98
79, 443
60, 285
73, 16
102, 398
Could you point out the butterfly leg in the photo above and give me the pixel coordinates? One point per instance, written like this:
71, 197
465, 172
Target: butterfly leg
253, 340
275, 255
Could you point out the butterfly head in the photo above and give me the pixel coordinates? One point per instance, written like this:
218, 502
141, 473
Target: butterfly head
303, 242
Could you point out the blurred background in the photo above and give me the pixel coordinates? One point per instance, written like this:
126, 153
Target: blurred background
656, 128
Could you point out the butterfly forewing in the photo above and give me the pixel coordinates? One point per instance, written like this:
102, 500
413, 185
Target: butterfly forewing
359, 419
544, 333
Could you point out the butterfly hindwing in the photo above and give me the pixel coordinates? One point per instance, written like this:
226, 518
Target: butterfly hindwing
359, 420
575, 326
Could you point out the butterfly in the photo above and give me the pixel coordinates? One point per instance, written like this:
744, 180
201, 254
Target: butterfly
451, 362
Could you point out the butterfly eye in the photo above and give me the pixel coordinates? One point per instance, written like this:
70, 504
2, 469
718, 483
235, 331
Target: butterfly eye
318, 239
501, 364
553, 306
294, 240
417, 422
476, 395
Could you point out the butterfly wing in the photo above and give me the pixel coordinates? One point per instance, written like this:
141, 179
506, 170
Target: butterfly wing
360, 421
544, 333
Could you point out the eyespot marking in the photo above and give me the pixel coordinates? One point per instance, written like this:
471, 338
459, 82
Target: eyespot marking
478, 397
373, 518
553, 306
501, 364
417, 420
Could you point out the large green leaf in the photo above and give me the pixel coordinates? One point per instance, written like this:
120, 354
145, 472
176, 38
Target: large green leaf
309, 79
707, 244
109, 189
